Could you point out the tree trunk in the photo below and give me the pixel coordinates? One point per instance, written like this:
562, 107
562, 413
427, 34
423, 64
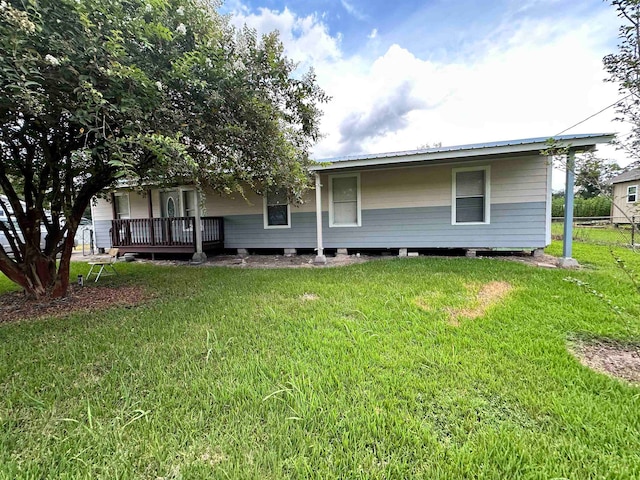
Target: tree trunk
38, 274
61, 284
43, 279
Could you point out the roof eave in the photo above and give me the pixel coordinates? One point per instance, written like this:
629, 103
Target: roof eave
587, 143
628, 180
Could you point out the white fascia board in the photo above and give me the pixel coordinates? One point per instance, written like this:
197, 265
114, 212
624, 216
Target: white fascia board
463, 153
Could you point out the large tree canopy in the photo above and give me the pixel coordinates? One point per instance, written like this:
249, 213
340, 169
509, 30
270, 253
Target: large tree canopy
93, 91
623, 67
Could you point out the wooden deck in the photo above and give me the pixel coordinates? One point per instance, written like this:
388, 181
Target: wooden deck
165, 235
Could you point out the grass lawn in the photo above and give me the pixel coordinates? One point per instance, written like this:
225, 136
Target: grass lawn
598, 234
351, 372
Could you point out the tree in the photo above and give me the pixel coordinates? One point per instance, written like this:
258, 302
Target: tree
95, 92
428, 145
623, 68
593, 175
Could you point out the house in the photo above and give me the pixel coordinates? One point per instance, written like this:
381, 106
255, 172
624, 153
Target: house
626, 197
484, 196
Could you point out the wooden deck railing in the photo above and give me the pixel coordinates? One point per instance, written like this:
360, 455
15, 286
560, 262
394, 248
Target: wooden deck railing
175, 234
212, 232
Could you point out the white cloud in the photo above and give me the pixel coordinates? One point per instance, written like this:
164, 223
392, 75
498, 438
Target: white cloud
527, 87
531, 78
306, 39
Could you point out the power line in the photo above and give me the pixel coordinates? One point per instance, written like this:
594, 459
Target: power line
595, 114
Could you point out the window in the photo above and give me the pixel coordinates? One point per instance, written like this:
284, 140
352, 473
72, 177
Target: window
171, 207
277, 213
632, 194
344, 201
470, 195
189, 203
121, 205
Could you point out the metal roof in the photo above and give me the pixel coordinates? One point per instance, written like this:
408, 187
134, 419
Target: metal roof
462, 151
629, 176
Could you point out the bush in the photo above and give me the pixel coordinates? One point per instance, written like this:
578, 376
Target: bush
590, 207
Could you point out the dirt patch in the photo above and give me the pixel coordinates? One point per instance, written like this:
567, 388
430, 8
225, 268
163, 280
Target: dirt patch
486, 296
611, 358
307, 297
15, 306
213, 458
542, 261
269, 261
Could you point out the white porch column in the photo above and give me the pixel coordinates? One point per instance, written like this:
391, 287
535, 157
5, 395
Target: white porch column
567, 243
199, 256
320, 257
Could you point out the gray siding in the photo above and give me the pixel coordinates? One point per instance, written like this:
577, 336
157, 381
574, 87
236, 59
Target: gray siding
101, 233
247, 231
516, 225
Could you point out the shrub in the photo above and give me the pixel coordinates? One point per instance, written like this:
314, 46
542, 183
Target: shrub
590, 207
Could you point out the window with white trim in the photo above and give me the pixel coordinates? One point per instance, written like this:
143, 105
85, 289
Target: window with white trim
277, 211
344, 201
121, 205
470, 195
632, 193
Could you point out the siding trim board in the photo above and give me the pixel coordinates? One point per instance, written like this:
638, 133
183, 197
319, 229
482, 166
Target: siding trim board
549, 200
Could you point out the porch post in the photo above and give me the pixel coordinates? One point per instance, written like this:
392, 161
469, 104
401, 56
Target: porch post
199, 256
114, 213
320, 257
149, 203
567, 242
152, 233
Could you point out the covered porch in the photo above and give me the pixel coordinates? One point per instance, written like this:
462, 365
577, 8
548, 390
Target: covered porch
166, 234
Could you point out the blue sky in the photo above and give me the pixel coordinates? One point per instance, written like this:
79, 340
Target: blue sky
442, 30
406, 73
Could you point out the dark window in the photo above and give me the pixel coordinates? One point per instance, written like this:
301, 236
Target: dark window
277, 209
471, 196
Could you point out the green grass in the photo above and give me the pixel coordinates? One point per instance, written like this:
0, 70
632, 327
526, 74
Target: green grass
231, 373
598, 234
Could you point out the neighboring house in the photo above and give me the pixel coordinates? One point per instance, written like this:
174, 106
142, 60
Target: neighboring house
484, 196
626, 197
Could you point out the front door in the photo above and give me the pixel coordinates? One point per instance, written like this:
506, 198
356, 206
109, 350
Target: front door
172, 228
170, 204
